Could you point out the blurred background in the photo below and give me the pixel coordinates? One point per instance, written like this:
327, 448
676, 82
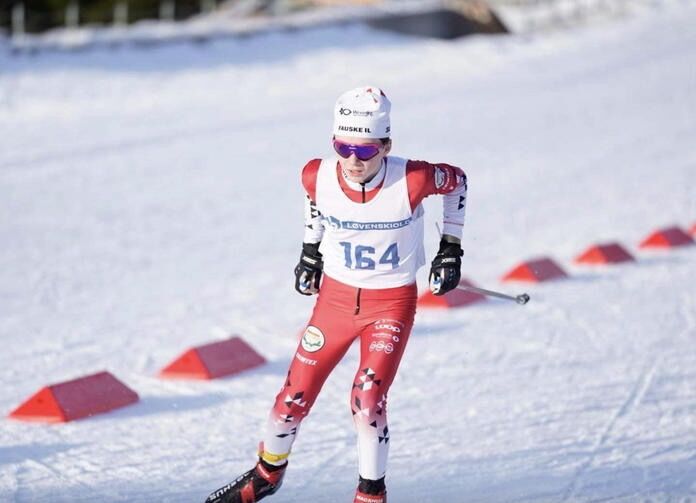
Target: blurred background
36, 16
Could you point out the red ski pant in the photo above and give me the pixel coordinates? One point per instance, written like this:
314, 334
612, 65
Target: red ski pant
382, 319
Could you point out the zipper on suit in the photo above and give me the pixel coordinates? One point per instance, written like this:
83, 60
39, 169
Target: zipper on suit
357, 297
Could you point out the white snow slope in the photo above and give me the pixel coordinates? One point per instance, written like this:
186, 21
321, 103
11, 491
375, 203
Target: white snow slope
150, 201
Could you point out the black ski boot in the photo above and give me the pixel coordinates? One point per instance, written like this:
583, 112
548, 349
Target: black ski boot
371, 491
261, 481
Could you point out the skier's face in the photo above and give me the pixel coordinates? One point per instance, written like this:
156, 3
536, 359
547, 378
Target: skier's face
359, 171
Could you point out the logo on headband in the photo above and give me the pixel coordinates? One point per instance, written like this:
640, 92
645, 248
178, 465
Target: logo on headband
356, 113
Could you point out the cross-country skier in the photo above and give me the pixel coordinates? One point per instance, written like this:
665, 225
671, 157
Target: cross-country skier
363, 244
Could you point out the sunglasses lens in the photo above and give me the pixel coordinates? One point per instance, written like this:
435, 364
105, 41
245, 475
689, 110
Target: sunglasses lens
362, 152
342, 149
366, 152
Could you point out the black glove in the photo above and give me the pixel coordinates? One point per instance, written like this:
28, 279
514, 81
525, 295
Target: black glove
445, 271
308, 271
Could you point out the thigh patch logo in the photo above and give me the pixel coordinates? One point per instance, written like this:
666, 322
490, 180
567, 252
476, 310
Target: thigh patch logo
312, 339
377, 346
389, 330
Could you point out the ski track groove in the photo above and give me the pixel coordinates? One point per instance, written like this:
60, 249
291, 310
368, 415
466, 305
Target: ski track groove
558, 314
326, 467
56, 474
13, 490
687, 312
634, 398
567, 319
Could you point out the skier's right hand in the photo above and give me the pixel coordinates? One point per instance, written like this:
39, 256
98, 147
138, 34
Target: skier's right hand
308, 270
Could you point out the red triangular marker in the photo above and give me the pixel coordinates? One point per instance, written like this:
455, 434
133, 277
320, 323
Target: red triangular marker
189, 364
217, 359
610, 253
453, 298
534, 271
41, 407
667, 238
76, 399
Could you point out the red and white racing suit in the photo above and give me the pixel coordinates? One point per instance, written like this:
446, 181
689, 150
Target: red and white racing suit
368, 292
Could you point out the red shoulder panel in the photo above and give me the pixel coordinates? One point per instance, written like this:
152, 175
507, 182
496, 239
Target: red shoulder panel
309, 178
420, 181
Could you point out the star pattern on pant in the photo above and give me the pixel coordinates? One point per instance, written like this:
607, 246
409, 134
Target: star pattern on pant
367, 380
284, 418
384, 437
296, 399
291, 432
381, 405
359, 411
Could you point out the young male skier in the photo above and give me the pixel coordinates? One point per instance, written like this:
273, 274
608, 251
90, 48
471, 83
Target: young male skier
363, 211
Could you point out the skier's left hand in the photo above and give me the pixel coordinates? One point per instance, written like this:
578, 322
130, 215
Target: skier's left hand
445, 271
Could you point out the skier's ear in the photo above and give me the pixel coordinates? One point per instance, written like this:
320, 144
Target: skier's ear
387, 146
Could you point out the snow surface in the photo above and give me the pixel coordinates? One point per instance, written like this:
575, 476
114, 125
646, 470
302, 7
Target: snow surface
150, 201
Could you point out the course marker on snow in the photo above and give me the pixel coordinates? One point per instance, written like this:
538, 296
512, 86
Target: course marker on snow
453, 298
535, 271
669, 237
76, 399
210, 361
692, 230
609, 253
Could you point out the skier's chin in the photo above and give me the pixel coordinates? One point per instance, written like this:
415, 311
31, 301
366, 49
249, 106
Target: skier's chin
355, 176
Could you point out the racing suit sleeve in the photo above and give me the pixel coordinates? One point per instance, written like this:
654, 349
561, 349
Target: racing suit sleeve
314, 228
425, 179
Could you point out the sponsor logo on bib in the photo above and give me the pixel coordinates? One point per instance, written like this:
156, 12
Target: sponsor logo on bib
352, 225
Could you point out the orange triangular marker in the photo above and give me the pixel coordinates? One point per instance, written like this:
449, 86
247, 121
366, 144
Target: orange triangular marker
534, 271
41, 407
667, 238
217, 359
189, 365
453, 298
610, 253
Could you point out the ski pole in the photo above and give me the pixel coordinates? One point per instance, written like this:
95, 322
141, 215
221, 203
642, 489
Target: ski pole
521, 299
